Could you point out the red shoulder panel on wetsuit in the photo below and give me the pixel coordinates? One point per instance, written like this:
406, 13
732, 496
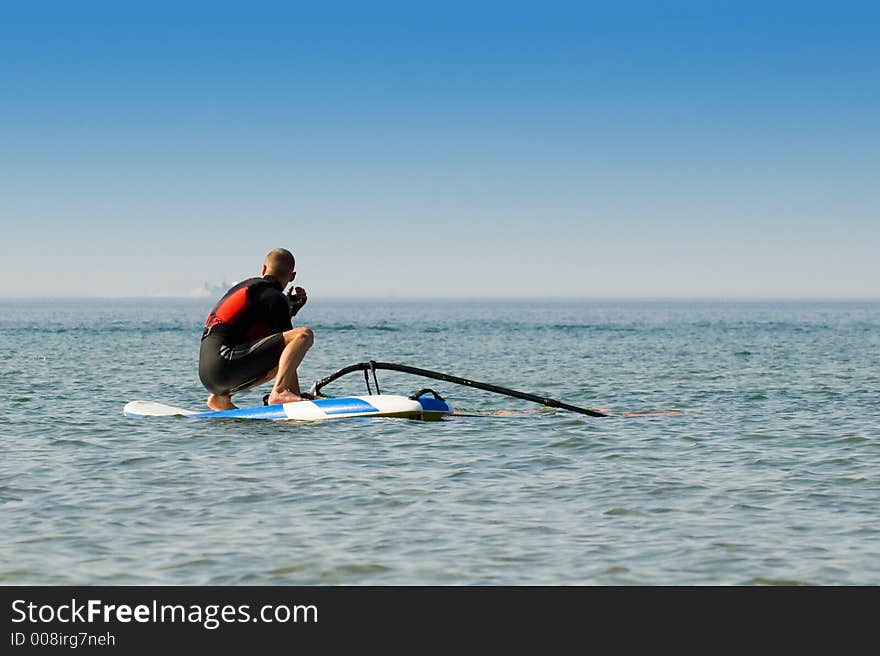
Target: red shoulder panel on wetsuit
230, 308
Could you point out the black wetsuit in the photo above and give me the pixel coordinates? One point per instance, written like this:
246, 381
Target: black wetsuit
243, 337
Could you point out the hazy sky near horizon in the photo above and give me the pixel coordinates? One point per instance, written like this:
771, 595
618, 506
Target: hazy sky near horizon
456, 149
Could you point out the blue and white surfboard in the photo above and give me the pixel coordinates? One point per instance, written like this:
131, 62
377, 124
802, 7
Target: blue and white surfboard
377, 405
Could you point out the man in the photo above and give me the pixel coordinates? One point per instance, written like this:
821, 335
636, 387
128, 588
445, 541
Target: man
249, 338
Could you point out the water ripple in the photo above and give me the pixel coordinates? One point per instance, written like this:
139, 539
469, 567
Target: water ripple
769, 477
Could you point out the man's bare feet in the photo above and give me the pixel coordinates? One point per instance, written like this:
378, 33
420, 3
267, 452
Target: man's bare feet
285, 396
221, 402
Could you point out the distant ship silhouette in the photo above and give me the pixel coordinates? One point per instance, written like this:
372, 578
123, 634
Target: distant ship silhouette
210, 290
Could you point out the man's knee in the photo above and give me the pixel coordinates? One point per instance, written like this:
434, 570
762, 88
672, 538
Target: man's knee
302, 335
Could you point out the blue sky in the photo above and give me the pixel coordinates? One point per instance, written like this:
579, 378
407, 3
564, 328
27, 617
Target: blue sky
627, 149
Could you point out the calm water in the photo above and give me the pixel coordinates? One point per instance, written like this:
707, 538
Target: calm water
771, 474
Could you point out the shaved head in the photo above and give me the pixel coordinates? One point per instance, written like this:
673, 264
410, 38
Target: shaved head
280, 263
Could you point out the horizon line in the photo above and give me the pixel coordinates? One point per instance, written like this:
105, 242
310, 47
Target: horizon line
464, 299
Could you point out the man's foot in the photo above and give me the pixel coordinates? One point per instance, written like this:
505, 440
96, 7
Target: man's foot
221, 402
287, 397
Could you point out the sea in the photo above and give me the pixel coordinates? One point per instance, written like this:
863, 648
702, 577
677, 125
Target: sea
742, 448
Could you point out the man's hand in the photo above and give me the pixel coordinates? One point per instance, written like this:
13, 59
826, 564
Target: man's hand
296, 298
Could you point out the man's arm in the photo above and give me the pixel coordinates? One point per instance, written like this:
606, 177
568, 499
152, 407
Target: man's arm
279, 312
296, 298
